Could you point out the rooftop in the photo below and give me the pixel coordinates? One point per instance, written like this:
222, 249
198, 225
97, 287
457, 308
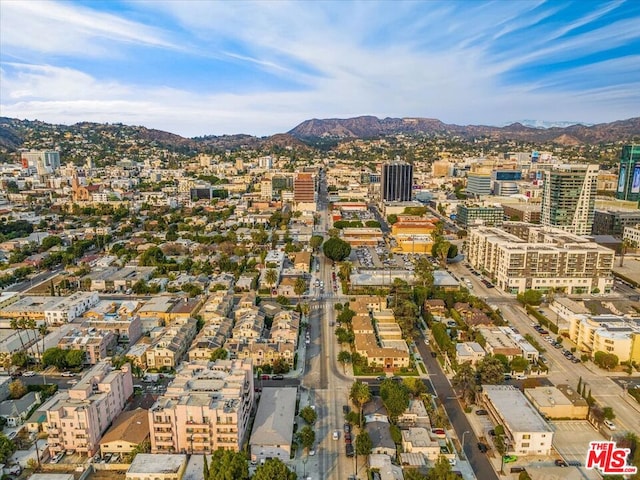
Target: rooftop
516, 411
273, 424
146, 463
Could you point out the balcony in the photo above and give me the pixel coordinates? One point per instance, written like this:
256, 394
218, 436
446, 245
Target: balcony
164, 443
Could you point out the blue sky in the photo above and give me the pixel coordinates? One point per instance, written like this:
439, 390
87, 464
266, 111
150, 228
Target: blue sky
194, 67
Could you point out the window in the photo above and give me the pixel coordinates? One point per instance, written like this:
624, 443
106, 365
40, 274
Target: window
525, 445
526, 437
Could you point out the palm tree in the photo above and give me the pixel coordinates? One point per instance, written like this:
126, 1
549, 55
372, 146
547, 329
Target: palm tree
271, 277
344, 357
360, 394
626, 244
16, 324
305, 309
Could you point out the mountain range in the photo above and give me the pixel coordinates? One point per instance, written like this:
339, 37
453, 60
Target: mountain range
14, 132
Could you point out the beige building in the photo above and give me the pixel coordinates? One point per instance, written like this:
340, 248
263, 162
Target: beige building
171, 346
77, 418
558, 402
273, 426
129, 430
206, 407
607, 333
526, 432
522, 257
96, 344
148, 466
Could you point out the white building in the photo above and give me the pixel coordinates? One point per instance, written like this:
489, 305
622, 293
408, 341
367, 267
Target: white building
526, 432
470, 352
607, 333
70, 308
273, 426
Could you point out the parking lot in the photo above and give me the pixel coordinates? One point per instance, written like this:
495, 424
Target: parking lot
571, 439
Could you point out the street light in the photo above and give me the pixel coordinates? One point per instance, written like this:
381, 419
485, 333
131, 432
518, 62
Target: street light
464, 456
304, 466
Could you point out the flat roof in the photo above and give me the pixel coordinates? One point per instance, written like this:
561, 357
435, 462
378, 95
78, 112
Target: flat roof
273, 424
514, 408
147, 463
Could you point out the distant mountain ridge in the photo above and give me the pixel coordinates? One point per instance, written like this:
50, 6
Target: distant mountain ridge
14, 133
371, 127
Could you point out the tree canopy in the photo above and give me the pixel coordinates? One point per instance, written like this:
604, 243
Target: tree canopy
336, 249
228, 465
274, 469
395, 397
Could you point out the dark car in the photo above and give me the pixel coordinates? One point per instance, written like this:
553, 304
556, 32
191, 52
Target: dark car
434, 354
347, 428
481, 412
348, 449
277, 377
492, 433
346, 409
482, 447
560, 463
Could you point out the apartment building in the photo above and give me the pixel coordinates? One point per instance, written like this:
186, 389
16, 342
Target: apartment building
614, 221
526, 432
521, 257
471, 352
206, 407
211, 337
607, 333
77, 417
168, 349
472, 215
96, 344
71, 307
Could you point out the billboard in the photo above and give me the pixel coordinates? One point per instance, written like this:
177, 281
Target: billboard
635, 185
622, 178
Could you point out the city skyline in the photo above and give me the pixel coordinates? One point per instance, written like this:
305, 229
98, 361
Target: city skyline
198, 68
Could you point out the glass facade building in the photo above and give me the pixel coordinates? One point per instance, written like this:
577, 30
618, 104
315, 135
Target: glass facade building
629, 174
396, 182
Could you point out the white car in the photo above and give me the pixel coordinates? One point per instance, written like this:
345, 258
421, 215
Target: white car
336, 434
29, 374
67, 374
610, 425
57, 457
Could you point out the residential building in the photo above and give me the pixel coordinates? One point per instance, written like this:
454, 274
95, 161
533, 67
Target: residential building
472, 215
470, 352
568, 198
168, 349
15, 412
129, 430
526, 432
632, 235
521, 257
396, 182
146, 466
96, 344
420, 440
629, 174
77, 417
273, 426
71, 307
206, 407
614, 222
606, 333
523, 212
558, 402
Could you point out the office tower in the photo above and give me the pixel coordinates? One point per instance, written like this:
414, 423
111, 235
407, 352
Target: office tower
629, 174
478, 184
304, 188
568, 197
396, 182
42, 162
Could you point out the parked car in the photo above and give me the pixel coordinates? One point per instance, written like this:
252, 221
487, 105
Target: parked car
277, 377
348, 448
67, 374
609, 424
482, 447
347, 438
509, 458
560, 463
57, 457
346, 409
29, 373
481, 412
347, 428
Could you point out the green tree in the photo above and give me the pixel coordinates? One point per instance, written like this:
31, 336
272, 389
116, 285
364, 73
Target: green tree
605, 360
309, 415
55, 357
530, 297
359, 395
219, 354
143, 447
491, 371
307, 437
300, 286
74, 358
395, 397
608, 413
465, 381
228, 465
273, 469
271, 277
519, 364
316, 242
336, 249
441, 470
7, 447
152, 257
19, 359
17, 389
391, 219
363, 443
344, 357
424, 271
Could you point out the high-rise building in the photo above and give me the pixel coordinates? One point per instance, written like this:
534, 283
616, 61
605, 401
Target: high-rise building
478, 184
42, 162
629, 174
568, 198
304, 188
396, 182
